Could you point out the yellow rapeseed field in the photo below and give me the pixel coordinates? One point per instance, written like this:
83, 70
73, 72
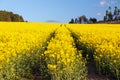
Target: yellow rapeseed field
101, 42
63, 59
58, 51
21, 45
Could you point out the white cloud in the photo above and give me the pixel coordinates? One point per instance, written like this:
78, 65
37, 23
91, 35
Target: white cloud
103, 2
99, 14
107, 2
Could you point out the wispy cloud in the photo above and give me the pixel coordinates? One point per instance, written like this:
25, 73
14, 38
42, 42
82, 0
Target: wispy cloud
99, 14
103, 3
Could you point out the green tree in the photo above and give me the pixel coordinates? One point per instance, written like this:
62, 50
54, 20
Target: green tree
116, 13
92, 20
76, 20
110, 16
107, 13
105, 18
10, 16
72, 21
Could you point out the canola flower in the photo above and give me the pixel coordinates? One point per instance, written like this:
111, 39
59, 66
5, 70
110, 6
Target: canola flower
63, 60
102, 43
25, 47
21, 46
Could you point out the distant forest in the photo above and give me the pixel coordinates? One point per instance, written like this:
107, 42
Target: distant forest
109, 17
10, 17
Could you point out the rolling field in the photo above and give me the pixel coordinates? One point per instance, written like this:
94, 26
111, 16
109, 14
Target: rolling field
46, 51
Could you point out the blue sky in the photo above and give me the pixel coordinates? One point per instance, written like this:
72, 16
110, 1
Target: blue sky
57, 10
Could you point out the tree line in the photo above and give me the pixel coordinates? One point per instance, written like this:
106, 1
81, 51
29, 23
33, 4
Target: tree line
10, 17
109, 16
83, 20
112, 16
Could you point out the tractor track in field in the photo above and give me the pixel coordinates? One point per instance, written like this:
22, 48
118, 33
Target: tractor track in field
37, 75
91, 68
92, 75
